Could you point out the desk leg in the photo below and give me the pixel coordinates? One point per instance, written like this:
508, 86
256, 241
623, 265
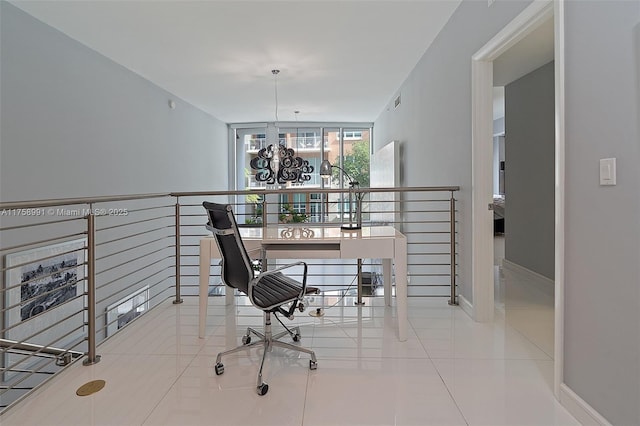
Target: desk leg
229, 295
203, 296
386, 279
401, 287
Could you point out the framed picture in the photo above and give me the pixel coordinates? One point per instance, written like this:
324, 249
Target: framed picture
127, 309
44, 298
41, 283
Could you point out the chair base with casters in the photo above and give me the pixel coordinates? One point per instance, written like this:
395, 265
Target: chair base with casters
270, 291
267, 340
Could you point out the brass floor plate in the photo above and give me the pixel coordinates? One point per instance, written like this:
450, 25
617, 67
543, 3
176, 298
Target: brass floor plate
90, 387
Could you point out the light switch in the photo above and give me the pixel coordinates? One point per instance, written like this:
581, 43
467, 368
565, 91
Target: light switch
607, 171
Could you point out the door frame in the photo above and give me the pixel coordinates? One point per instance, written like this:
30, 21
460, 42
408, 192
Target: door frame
482, 165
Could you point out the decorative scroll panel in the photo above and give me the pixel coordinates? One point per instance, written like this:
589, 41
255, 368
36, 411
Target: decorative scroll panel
291, 168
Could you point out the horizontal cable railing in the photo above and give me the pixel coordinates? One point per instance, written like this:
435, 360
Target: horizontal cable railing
76, 271
423, 214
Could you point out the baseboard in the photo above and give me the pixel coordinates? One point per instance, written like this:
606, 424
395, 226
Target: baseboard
579, 409
546, 285
465, 305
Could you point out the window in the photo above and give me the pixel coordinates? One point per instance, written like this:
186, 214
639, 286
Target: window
352, 135
255, 142
347, 148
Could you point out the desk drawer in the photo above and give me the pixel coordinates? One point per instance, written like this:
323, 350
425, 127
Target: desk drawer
303, 251
365, 249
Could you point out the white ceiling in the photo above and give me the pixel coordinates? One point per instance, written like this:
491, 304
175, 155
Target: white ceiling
533, 51
530, 53
339, 60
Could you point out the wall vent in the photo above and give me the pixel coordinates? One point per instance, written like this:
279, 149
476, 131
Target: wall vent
397, 102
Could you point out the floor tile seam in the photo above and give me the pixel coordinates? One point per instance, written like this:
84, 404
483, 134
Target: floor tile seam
530, 341
420, 341
143, 354
372, 358
449, 391
510, 360
529, 308
306, 395
169, 389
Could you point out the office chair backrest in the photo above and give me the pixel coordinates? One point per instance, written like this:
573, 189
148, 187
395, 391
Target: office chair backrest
236, 265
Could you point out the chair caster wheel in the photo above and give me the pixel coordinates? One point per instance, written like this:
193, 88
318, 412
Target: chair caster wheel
262, 389
313, 365
219, 368
301, 307
296, 337
246, 339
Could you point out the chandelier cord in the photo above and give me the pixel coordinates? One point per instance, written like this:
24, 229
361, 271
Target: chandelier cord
275, 84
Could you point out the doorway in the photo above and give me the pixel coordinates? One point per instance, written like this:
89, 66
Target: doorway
523, 162
482, 163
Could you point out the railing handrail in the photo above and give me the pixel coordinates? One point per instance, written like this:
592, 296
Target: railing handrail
317, 190
8, 205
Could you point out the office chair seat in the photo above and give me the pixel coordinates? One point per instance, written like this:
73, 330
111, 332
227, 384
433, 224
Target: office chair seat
271, 291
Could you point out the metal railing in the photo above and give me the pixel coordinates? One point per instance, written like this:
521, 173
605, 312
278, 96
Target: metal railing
76, 271
423, 214
69, 269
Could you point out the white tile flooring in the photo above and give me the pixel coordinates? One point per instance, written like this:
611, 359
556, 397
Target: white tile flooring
450, 371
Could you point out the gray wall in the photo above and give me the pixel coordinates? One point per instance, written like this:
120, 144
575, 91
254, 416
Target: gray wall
529, 171
433, 123
74, 123
602, 281
602, 270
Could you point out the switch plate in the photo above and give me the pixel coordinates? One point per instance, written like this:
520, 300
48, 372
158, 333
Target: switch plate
607, 171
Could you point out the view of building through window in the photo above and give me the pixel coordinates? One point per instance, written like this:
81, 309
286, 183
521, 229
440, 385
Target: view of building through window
347, 148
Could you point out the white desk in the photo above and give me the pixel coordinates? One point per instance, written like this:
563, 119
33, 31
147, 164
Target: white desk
376, 242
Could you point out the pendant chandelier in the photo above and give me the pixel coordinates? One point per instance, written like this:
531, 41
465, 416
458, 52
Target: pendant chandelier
290, 167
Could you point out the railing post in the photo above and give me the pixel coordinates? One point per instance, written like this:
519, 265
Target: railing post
178, 298
359, 277
452, 249
92, 358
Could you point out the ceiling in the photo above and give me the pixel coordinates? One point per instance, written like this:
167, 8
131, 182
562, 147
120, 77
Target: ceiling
530, 53
338, 60
533, 51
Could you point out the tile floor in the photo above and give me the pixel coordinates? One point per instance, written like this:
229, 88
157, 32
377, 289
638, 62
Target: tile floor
450, 371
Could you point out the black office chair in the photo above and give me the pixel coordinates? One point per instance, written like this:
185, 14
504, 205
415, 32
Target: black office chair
270, 291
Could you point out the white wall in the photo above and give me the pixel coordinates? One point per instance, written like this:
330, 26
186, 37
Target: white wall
74, 123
